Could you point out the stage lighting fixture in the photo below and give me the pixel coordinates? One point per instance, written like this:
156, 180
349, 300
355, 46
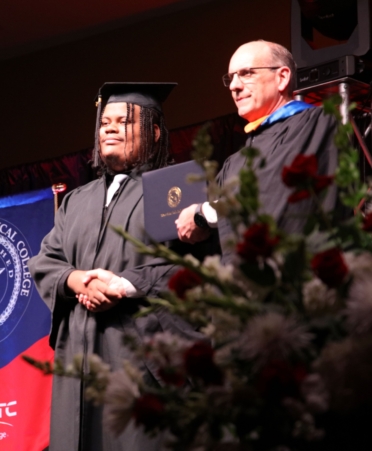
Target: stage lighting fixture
323, 30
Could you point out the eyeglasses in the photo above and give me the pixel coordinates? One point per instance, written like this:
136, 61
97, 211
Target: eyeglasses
244, 75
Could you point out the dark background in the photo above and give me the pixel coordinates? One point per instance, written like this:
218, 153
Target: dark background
48, 83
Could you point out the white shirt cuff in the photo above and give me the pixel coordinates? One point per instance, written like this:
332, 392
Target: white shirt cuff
130, 290
210, 215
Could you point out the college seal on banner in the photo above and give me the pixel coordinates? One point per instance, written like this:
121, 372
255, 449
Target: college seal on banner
15, 278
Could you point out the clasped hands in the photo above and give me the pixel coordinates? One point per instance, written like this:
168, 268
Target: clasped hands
98, 290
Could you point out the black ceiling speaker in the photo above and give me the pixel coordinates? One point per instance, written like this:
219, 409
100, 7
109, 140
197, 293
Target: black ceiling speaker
323, 30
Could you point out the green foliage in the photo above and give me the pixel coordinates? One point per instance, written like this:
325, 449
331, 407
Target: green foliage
347, 176
203, 149
262, 275
294, 264
249, 189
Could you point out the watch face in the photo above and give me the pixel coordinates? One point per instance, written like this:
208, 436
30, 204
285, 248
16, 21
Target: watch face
200, 221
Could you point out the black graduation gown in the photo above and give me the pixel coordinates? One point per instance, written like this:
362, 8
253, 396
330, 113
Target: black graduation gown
81, 239
308, 132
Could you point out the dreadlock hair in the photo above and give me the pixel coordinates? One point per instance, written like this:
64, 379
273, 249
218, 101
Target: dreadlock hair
153, 154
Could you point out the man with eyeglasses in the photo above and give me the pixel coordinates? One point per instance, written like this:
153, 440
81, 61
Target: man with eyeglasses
261, 80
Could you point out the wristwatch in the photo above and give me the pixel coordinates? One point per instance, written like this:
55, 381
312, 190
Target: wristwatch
199, 218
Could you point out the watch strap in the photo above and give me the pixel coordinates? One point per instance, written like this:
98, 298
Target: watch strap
199, 218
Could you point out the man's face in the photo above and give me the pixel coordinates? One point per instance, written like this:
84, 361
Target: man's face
120, 151
260, 96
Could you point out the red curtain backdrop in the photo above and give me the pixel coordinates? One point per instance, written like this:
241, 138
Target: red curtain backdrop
74, 170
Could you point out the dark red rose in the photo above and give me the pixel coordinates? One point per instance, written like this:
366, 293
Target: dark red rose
367, 222
318, 183
257, 243
297, 196
280, 379
302, 175
330, 267
183, 280
302, 168
199, 363
172, 376
147, 410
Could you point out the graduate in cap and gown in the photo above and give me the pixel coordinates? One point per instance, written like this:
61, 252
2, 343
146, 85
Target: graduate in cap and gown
130, 138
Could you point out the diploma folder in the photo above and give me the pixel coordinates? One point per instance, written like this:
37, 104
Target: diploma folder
166, 192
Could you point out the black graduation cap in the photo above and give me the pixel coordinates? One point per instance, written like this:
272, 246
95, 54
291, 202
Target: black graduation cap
148, 95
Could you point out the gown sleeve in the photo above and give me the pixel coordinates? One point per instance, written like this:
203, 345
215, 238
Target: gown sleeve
50, 267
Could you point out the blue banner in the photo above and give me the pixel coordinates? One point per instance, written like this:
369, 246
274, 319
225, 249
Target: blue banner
24, 323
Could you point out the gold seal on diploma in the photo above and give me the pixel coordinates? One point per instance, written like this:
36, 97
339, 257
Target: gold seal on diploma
174, 196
